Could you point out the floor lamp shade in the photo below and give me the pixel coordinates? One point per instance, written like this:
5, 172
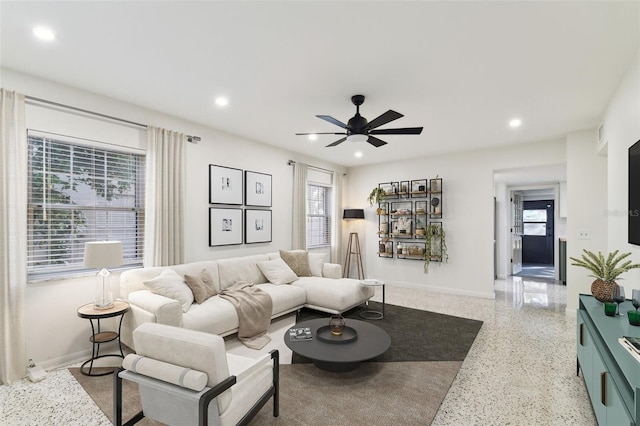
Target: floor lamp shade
353, 214
103, 255
353, 246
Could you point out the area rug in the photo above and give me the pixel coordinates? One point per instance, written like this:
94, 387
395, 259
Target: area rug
415, 335
404, 386
376, 393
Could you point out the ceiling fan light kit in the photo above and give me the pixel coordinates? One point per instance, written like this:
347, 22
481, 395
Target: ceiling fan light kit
358, 129
357, 138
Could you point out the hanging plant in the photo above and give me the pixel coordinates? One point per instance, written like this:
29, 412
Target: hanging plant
377, 194
435, 241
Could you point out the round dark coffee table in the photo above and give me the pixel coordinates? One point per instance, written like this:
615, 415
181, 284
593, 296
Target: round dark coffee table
339, 357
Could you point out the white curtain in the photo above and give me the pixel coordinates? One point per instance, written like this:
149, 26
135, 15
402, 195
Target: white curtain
164, 198
336, 244
13, 236
299, 234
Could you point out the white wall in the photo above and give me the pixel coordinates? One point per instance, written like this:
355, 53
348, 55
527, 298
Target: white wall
586, 206
594, 180
55, 335
467, 214
621, 130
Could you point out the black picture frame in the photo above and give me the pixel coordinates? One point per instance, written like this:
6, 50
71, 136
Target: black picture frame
225, 226
258, 226
226, 185
258, 189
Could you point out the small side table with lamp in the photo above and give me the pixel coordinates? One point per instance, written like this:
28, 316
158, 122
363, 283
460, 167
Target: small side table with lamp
102, 255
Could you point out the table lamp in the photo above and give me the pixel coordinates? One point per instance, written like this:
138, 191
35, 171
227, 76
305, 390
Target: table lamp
103, 255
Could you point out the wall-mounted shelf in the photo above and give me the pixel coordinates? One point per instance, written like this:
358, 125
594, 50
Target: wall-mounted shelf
408, 208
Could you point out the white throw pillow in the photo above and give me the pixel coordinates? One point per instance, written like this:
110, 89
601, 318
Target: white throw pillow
316, 260
277, 271
170, 284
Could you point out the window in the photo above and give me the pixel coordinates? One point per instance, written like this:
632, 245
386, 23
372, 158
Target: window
319, 215
81, 192
535, 222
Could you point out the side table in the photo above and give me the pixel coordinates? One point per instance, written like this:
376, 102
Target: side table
98, 336
370, 314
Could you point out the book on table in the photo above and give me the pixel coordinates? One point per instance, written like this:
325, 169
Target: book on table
303, 333
634, 343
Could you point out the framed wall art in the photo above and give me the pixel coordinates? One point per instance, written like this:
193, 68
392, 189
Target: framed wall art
225, 185
257, 226
225, 226
257, 189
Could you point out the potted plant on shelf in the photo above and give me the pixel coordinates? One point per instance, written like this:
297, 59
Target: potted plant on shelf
377, 194
605, 270
436, 244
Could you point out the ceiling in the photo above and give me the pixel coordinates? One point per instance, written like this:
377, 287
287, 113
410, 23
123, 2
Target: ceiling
460, 69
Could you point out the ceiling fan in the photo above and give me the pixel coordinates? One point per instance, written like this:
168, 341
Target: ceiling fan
358, 129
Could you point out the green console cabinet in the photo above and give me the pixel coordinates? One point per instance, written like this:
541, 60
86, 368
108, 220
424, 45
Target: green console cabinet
611, 374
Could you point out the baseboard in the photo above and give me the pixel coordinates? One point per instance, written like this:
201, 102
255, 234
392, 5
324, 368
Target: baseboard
71, 359
65, 360
445, 290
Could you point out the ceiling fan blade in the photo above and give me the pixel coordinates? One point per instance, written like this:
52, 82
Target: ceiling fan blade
402, 131
321, 133
332, 120
338, 142
384, 119
376, 142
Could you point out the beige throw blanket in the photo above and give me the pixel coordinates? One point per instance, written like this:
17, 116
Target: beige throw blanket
254, 307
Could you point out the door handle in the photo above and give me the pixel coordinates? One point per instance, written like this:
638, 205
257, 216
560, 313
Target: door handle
581, 334
603, 388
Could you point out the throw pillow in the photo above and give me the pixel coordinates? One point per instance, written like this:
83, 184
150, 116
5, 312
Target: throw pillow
170, 284
298, 261
277, 271
316, 260
201, 286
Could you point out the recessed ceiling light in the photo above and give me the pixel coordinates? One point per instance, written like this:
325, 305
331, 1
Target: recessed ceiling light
516, 122
222, 101
358, 154
313, 137
44, 33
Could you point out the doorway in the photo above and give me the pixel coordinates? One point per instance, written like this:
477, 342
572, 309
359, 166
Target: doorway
537, 239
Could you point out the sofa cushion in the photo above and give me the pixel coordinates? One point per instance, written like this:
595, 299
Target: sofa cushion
241, 269
284, 298
334, 294
277, 271
316, 260
298, 261
170, 284
215, 315
201, 285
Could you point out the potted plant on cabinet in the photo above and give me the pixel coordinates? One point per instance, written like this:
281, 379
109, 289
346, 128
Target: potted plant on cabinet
605, 270
377, 194
436, 245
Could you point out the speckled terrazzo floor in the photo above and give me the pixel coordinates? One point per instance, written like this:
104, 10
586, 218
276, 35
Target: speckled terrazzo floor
519, 371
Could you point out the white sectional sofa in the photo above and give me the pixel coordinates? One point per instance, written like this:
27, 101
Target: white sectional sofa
325, 290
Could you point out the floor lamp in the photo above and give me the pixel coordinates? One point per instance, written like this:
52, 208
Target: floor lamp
353, 247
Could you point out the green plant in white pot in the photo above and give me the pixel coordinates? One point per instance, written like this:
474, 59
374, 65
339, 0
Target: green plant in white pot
605, 269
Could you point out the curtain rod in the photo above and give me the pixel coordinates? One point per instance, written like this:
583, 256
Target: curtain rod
293, 163
192, 139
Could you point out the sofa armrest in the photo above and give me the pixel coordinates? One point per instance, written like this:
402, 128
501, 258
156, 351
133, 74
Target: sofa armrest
332, 270
165, 310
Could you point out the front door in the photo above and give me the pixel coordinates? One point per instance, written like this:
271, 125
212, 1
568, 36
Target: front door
537, 238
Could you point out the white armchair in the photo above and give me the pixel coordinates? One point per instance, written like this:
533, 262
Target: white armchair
180, 372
